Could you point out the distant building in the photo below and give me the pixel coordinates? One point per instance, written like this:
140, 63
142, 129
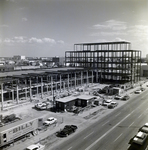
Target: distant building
18, 57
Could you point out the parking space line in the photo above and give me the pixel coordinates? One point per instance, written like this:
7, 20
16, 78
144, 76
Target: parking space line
88, 135
118, 137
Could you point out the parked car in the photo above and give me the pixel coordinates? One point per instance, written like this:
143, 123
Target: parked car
50, 121
37, 146
144, 128
67, 130
112, 105
106, 102
126, 97
142, 89
41, 106
137, 91
118, 97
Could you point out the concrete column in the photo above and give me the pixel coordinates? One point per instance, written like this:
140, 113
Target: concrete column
92, 76
81, 78
47, 88
56, 86
68, 81
37, 88
41, 87
2, 97
64, 85
87, 77
26, 93
25, 89
30, 89
60, 83
17, 94
13, 95
52, 85
75, 80
97, 75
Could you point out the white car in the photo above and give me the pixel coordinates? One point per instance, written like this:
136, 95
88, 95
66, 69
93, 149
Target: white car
106, 102
137, 91
118, 97
41, 106
36, 147
50, 121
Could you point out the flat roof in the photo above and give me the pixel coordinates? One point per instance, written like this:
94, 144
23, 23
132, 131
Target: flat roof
85, 97
71, 98
67, 99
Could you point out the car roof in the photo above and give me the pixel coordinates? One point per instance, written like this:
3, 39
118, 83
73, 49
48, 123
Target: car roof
32, 146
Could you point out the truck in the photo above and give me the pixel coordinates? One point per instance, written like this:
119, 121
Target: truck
14, 131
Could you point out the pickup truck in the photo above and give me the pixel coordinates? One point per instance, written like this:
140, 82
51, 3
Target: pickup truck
37, 146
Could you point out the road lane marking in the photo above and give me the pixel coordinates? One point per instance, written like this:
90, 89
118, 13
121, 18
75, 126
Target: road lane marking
132, 111
131, 124
118, 114
69, 148
88, 135
118, 137
105, 123
139, 116
95, 142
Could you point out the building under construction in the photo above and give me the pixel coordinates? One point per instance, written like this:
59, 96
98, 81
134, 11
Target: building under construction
111, 61
17, 86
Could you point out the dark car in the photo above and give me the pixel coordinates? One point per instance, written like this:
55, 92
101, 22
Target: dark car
126, 97
142, 89
67, 130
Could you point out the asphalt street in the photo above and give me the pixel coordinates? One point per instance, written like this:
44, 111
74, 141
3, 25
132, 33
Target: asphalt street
114, 131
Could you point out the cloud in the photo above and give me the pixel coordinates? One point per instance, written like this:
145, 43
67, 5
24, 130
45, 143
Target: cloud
24, 19
107, 33
111, 24
139, 31
32, 40
20, 39
10, 0
48, 40
35, 40
61, 42
7, 40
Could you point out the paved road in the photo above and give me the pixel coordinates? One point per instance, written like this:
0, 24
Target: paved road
112, 132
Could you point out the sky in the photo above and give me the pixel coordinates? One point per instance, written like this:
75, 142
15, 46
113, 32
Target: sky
48, 28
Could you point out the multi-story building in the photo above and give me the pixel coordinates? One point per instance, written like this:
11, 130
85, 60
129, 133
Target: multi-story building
111, 61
